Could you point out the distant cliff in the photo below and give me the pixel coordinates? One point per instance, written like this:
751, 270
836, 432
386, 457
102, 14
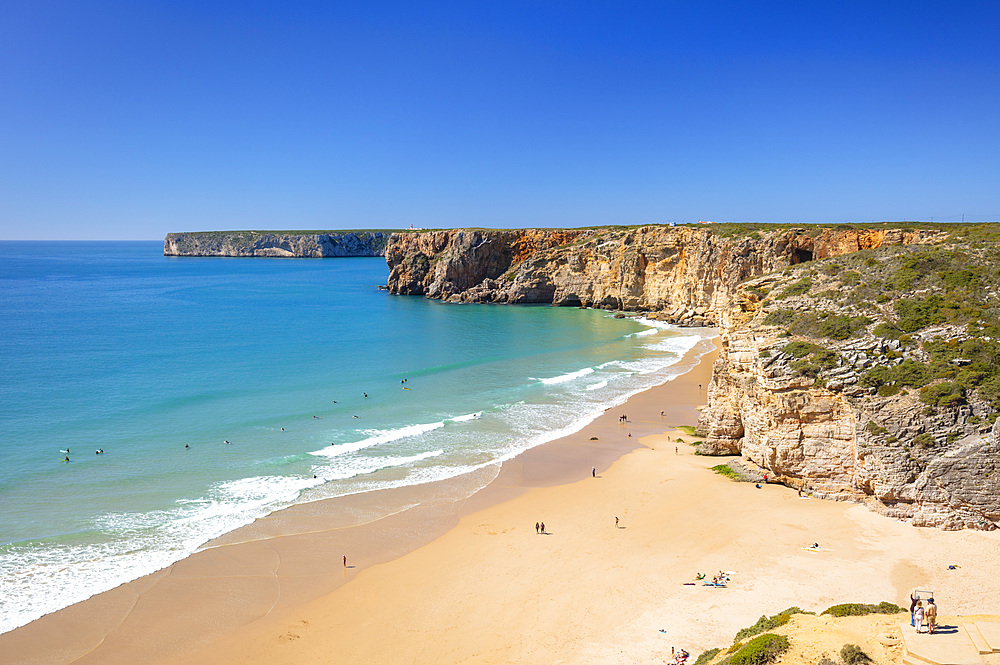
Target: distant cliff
281, 244
685, 274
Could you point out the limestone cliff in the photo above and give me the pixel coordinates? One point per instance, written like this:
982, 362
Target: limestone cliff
282, 244
829, 382
857, 363
687, 274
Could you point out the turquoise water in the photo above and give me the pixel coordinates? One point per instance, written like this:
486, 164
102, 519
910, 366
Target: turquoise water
159, 361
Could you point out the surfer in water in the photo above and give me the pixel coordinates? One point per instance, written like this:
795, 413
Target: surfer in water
99, 451
227, 443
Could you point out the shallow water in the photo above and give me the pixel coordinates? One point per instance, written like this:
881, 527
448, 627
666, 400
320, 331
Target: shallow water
160, 361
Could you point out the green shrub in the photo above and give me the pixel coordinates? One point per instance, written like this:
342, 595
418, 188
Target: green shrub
764, 353
724, 470
944, 395
797, 289
917, 313
851, 654
706, 656
874, 428
798, 349
850, 278
861, 609
779, 317
761, 650
887, 331
923, 440
766, 623
690, 430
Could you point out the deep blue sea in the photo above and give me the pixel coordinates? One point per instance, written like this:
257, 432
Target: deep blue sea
217, 388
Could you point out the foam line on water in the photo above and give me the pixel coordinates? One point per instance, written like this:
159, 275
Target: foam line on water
39, 580
363, 466
569, 376
375, 438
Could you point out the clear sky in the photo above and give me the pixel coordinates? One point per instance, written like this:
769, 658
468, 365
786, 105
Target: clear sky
131, 119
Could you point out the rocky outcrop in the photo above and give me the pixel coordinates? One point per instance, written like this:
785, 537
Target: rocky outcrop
807, 417
685, 274
276, 244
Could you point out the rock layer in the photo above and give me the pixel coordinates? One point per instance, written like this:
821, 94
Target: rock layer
686, 274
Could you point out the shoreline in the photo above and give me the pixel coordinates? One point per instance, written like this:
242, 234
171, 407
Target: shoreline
234, 580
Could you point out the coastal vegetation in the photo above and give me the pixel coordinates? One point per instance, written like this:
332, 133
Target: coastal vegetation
761, 650
861, 609
777, 637
766, 623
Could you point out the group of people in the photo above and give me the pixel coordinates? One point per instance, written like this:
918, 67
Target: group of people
921, 613
623, 419
539, 527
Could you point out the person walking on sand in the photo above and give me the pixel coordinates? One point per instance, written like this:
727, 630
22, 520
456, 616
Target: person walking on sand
593, 472
616, 522
537, 528
542, 525
918, 615
345, 561
931, 615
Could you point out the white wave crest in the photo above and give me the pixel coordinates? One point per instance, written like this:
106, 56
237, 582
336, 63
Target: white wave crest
598, 385
563, 378
360, 466
468, 416
376, 437
678, 345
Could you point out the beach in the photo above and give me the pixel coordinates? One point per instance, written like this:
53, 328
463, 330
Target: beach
450, 578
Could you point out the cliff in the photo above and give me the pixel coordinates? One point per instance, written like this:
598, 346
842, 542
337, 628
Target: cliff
870, 378
857, 363
282, 244
686, 274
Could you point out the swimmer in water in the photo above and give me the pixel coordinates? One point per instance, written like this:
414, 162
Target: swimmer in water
99, 451
227, 443
186, 445
334, 401
282, 429
365, 394
355, 416
65, 459
64, 451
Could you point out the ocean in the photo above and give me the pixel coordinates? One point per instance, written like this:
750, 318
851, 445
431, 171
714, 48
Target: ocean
222, 389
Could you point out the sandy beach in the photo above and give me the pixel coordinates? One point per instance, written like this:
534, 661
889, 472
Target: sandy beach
467, 579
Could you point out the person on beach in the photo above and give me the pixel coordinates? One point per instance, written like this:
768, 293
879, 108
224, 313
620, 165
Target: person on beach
593, 472
913, 603
918, 615
542, 525
345, 561
616, 522
537, 528
931, 615
675, 451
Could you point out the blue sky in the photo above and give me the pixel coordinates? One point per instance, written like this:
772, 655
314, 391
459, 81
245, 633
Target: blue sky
128, 120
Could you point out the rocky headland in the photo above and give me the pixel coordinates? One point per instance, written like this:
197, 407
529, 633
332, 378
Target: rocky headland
277, 244
858, 362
